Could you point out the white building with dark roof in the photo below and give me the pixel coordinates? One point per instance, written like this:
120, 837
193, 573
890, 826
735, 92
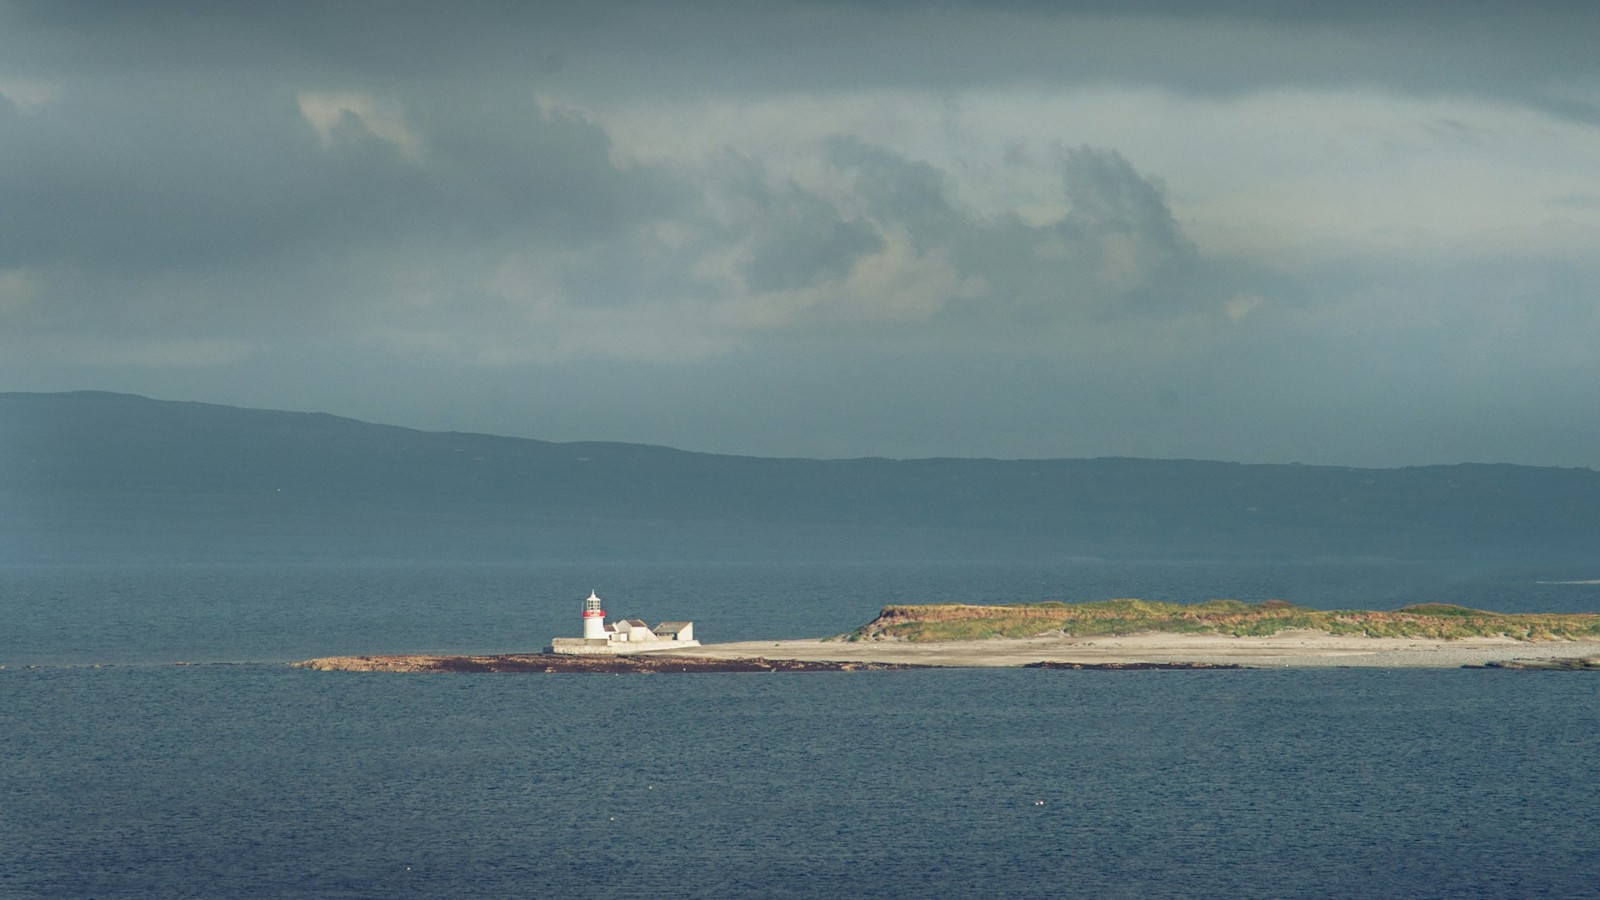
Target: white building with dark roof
675, 631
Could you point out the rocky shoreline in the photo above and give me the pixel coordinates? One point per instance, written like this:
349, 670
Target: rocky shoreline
549, 663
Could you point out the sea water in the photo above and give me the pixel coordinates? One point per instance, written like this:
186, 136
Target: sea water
236, 774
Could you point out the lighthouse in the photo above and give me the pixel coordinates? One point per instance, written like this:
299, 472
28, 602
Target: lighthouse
594, 618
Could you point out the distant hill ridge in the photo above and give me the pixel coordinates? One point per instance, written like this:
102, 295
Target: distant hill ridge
113, 474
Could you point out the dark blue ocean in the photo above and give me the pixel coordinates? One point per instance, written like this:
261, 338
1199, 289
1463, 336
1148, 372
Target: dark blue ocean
123, 774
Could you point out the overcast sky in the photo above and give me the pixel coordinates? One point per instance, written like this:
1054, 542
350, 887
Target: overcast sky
1364, 236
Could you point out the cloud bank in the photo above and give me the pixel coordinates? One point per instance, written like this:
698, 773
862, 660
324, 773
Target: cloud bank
1007, 229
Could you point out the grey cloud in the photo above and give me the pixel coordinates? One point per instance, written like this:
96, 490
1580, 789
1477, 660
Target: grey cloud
313, 41
809, 243
187, 175
1117, 252
1108, 196
132, 180
1111, 202
224, 212
1525, 53
783, 236
910, 192
135, 195
508, 163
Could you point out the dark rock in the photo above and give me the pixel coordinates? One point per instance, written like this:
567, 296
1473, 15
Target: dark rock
1562, 664
555, 663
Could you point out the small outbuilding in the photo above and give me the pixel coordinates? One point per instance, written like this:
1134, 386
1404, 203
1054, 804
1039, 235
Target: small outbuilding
675, 631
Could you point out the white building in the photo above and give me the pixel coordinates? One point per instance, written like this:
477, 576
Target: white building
623, 635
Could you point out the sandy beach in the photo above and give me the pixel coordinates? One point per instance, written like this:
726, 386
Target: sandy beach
1289, 649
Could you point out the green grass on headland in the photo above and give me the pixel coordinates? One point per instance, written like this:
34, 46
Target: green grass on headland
961, 622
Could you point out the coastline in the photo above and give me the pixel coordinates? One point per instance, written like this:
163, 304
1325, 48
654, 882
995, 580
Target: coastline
1285, 650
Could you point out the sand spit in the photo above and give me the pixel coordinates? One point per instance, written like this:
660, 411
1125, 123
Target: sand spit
1287, 649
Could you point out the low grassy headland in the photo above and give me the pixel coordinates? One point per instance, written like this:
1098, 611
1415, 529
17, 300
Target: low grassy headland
962, 622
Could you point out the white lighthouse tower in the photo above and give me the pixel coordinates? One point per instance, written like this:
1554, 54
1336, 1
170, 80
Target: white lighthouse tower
594, 618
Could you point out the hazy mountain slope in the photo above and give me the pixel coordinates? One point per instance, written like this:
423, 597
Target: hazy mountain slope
89, 474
